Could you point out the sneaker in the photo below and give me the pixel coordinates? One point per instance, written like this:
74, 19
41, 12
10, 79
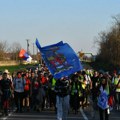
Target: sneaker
28, 109
117, 107
17, 111
6, 114
3, 114
21, 111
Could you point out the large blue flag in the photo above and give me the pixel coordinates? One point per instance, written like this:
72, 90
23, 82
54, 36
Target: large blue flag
60, 59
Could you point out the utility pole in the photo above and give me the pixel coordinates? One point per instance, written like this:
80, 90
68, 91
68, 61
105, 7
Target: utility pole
28, 46
33, 51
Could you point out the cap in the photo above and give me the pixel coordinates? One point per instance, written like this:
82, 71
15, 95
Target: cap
6, 71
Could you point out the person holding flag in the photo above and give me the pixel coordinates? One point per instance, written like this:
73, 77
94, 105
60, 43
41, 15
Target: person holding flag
103, 95
62, 98
61, 61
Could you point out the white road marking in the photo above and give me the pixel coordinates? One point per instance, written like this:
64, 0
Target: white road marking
83, 114
5, 118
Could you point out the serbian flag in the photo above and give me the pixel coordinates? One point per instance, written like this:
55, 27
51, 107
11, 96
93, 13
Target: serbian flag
23, 54
60, 59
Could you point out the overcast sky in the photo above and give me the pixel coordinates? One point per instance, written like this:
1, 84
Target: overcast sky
76, 22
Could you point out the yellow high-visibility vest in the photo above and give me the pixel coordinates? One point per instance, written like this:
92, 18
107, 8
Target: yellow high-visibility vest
116, 80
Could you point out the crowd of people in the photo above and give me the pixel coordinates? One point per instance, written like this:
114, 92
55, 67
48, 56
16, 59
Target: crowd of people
38, 90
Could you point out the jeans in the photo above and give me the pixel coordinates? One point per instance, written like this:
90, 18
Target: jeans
62, 105
19, 100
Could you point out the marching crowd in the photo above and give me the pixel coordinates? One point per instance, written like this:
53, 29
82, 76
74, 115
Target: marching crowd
38, 89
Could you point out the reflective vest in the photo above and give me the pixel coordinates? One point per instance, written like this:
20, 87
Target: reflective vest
81, 79
53, 83
76, 90
115, 83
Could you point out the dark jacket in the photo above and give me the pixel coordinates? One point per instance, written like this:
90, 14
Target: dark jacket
62, 87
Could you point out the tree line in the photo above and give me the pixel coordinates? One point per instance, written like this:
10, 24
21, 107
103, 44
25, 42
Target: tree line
9, 52
109, 46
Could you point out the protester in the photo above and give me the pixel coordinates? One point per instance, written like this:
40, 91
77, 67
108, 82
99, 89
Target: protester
103, 93
76, 93
35, 91
6, 89
116, 85
32, 79
83, 81
40, 98
27, 92
52, 93
95, 83
62, 98
19, 83
44, 83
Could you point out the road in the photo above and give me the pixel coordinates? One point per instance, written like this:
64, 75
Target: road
43, 115
50, 115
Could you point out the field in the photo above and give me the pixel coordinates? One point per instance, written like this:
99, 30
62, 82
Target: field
11, 69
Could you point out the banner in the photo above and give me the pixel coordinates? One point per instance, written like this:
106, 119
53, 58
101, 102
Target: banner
60, 59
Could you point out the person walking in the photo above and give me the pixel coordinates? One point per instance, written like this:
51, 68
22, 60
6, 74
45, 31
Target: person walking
102, 103
6, 87
76, 93
62, 98
26, 99
52, 93
19, 83
35, 91
32, 79
116, 86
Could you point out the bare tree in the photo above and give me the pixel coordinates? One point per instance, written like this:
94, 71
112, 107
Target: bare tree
109, 44
15, 49
3, 49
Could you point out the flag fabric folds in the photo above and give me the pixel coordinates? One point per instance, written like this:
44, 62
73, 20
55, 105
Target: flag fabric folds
60, 59
103, 100
24, 55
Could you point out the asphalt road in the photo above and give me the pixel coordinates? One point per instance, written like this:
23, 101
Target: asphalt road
43, 115
85, 114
